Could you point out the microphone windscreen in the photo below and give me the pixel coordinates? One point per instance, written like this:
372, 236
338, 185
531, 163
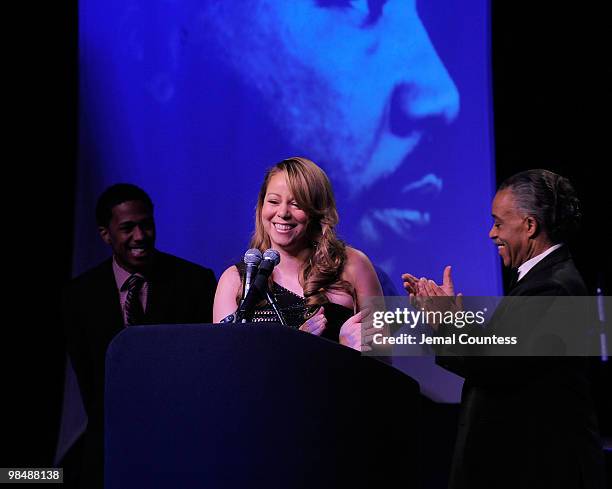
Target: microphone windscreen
272, 255
252, 256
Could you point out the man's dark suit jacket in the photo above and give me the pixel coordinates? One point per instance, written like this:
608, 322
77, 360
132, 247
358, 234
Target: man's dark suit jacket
180, 292
527, 422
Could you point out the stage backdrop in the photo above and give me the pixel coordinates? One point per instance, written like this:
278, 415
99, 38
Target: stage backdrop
193, 100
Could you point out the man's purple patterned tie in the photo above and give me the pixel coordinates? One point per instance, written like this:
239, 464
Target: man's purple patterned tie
134, 312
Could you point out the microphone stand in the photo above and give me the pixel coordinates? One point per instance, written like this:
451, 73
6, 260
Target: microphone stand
275, 307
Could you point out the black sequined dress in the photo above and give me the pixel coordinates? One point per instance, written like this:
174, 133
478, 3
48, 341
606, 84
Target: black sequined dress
292, 308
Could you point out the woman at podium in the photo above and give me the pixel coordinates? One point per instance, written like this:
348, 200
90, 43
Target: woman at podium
320, 284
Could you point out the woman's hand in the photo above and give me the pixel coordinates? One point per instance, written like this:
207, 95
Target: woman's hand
316, 324
353, 335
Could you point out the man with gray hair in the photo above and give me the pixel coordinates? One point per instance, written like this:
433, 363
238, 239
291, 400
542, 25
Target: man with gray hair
535, 212
525, 422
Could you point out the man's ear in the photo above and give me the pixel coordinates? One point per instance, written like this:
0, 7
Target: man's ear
533, 227
104, 234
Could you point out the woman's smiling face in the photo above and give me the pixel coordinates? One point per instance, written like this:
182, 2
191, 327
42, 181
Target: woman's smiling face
283, 220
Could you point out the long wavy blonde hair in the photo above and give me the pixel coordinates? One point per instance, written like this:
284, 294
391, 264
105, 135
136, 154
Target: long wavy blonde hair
312, 191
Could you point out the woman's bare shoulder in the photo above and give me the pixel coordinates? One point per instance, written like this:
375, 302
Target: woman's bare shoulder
357, 262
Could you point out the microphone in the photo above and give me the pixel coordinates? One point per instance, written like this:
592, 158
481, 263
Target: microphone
251, 259
259, 287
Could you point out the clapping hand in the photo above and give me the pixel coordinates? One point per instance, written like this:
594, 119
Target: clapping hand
426, 294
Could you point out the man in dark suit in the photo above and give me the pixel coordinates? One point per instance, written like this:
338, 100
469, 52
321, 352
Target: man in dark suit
137, 285
525, 422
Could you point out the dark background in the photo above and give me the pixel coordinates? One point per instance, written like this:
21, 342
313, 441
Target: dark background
551, 105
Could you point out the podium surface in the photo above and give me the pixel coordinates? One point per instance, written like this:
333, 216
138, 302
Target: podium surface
236, 406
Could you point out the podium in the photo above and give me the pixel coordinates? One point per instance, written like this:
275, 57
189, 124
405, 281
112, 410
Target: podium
250, 406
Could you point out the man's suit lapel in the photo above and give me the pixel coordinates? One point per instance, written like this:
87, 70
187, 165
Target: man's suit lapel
522, 287
542, 269
513, 279
106, 299
161, 296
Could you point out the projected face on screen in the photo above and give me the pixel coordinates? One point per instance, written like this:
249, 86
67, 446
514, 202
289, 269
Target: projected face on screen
355, 84
347, 79
194, 100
